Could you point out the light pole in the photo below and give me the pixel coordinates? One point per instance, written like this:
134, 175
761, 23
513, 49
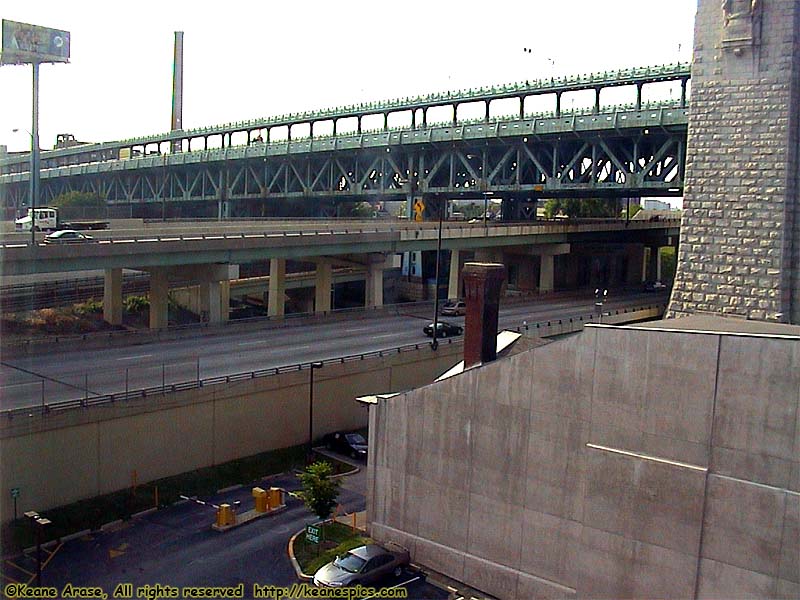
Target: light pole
313, 365
486, 211
434, 341
39, 523
34, 175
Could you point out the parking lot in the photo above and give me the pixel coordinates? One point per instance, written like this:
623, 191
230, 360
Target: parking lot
176, 547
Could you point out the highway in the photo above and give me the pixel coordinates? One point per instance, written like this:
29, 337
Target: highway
74, 373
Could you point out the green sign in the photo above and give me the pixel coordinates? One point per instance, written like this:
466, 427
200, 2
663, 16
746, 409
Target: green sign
15, 492
312, 534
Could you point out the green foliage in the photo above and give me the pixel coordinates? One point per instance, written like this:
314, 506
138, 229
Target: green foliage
635, 208
582, 208
135, 304
669, 262
319, 490
91, 306
362, 210
76, 198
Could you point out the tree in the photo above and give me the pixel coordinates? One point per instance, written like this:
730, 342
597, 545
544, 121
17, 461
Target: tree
582, 207
76, 198
319, 490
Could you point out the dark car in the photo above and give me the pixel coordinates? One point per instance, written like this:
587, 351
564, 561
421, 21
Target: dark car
351, 444
455, 308
67, 236
363, 565
443, 329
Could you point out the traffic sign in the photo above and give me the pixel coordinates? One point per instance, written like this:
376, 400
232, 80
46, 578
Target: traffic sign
15, 492
419, 209
312, 534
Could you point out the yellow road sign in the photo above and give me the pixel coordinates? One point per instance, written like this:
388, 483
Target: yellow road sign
419, 209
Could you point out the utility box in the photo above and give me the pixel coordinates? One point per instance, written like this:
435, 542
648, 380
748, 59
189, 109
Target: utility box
225, 516
262, 499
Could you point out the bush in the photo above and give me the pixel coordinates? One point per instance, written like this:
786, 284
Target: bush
135, 304
91, 306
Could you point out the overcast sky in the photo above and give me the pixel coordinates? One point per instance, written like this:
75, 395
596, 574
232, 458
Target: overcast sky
246, 60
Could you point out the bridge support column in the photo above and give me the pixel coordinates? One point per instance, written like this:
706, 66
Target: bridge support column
277, 287
653, 263
546, 272
454, 285
159, 298
211, 301
112, 297
322, 288
374, 287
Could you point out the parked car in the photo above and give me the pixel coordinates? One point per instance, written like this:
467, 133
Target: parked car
67, 236
455, 308
352, 444
363, 565
443, 329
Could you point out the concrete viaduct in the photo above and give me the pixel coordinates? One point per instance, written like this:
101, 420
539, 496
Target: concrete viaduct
209, 256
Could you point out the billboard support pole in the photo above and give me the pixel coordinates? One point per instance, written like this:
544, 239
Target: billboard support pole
34, 153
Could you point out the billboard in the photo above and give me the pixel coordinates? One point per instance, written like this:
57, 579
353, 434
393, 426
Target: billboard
24, 43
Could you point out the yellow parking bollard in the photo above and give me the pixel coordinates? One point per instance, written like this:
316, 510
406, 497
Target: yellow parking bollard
275, 498
261, 498
225, 516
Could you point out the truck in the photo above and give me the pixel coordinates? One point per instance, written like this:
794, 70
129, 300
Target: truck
47, 218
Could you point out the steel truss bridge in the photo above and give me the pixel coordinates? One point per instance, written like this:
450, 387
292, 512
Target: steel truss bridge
601, 151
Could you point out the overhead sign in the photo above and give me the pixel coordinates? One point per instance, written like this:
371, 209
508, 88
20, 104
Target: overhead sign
312, 534
25, 44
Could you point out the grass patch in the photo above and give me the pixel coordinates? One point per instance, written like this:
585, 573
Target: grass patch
94, 512
339, 538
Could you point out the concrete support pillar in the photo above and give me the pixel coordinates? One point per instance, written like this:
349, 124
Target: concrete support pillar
454, 285
159, 298
277, 287
322, 288
654, 263
112, 297
211, 301
225, 300
374, 288
546, 272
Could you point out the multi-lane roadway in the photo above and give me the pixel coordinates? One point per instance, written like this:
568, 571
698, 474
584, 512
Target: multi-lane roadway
68, 371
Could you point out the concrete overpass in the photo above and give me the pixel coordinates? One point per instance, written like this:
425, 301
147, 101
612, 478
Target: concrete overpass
204, 255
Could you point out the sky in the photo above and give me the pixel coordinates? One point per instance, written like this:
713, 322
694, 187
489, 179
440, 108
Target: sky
245, 60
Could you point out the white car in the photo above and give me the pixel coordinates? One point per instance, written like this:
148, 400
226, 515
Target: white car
67, 236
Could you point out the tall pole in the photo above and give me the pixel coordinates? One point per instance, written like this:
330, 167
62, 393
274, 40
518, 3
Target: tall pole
177, 89
314, 365
435, 342
34, 187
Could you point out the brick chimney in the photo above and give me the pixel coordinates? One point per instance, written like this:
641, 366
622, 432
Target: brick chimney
482, 283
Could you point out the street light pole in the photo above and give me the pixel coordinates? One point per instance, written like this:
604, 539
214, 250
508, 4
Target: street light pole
314, 365
435, 342
34, 152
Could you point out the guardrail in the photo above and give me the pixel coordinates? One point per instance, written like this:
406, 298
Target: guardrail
551, 328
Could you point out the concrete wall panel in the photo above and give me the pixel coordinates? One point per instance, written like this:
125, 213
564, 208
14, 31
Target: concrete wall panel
441, 558
534, 588
494, 529
790, 542
443, 512
720, 581
562, 376
611, 566
550, 547
499, 581
644, 500
142, 443
757, 400
555, 470
744, 525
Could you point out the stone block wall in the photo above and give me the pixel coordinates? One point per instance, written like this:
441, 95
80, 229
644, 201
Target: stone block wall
740, 239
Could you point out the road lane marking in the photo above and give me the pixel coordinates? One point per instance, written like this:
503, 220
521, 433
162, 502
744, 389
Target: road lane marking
135, 357
256, 343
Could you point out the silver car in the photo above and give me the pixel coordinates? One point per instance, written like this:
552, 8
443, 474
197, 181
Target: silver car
364, 565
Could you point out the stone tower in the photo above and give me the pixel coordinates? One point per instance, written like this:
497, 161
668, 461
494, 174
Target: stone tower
740, 240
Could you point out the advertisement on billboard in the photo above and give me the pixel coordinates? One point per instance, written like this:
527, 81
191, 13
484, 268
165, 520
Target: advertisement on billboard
25, 44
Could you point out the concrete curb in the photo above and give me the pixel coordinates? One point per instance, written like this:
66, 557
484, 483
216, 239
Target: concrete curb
75, 536
144, 512
107, 526
230, 488
298, 571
